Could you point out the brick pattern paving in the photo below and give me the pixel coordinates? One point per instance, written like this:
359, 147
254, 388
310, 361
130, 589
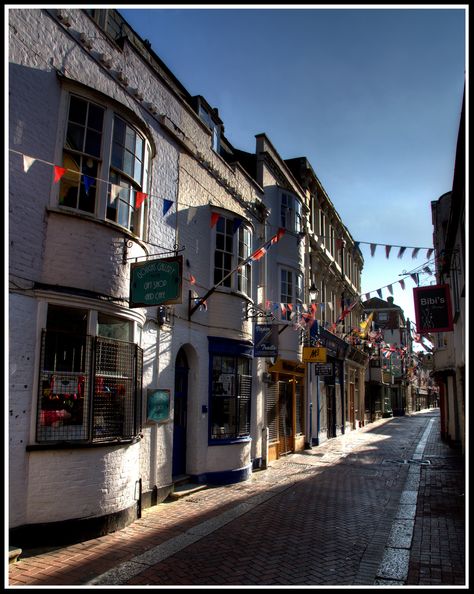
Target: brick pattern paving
326, 522
438, 545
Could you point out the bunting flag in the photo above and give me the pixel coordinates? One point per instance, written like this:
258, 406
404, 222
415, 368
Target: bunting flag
167, 204
379, 293
27, 163
389, 287
58, 173
365, 325
415, 252
192, 280
114, 192
139, 199
215, 216
191, 214
88, 181
401, 251
402, 284
429, 252
236, 224
414, 277
387, 250
373, 247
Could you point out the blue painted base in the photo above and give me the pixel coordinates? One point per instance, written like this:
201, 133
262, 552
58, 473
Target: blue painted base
224, 477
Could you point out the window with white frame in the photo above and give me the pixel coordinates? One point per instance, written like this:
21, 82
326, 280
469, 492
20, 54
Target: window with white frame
232, 247
89, 382
322, 227
212, 125
290, 212
107, 160
291, 293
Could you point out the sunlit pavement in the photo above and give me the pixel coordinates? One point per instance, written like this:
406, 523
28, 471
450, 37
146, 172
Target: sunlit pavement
383, 505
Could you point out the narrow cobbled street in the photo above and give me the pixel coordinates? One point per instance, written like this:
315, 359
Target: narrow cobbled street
380, 506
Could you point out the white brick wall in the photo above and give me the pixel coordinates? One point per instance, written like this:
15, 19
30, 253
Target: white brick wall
55, 248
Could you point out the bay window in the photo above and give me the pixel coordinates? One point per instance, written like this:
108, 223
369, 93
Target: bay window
90, 383
232, 248
291, 292
107, 161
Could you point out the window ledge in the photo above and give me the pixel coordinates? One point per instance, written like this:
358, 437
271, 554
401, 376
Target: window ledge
230, 441
72, 445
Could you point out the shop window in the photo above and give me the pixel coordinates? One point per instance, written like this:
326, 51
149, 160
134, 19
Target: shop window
90, 386
104, 170
232, 247
231, 384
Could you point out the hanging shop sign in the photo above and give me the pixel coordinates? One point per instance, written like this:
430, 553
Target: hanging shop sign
314, 355
156, 282
265, 340
323, 369
433, 309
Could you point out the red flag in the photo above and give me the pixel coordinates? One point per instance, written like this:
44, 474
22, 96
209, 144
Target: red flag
387, 250
139, 199
58, 173
258, 254
192, 280
279, 234
214, 218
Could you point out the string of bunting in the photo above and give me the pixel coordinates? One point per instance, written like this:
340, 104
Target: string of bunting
140, 197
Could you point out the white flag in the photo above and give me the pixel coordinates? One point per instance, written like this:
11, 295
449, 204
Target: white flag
27, 162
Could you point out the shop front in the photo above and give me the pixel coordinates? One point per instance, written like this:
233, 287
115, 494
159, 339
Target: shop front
285, 408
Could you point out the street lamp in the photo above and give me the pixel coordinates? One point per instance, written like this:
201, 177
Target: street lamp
313, 292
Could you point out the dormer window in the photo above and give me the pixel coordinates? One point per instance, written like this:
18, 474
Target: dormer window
210, 121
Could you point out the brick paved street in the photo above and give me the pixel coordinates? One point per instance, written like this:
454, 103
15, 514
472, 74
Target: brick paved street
322, 517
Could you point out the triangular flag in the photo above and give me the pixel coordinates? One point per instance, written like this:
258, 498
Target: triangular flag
191, 213
373, 247
114, 192
387, 250
88, 181
402, 284
379, 293
278, 235
58, 173
167, 204
139, 199
389, 287
236, 224
414, 278
367, 296
192, 280
27, 162
215, 216
415, 252
429, 252
401, 251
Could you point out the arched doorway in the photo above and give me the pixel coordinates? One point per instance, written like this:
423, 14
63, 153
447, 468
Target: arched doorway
180, 414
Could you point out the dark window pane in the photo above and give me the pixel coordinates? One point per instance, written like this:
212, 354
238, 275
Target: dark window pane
75, 137
96, 117
93, 140
77, 110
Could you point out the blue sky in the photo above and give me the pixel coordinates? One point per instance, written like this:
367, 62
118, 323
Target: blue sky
371, 96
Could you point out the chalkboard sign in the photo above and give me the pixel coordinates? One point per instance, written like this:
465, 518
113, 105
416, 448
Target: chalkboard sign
433, 309
158, 405
156, 282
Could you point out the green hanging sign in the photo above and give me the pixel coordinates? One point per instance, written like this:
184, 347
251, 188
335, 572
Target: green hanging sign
156, 282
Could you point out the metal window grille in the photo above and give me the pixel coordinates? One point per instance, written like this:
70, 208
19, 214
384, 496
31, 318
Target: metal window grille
89, 388
272, 412
243, 404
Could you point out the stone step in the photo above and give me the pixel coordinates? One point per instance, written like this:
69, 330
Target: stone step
184, 489
13, 554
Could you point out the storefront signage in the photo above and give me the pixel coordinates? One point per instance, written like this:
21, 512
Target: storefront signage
265, 340
433, 309
156, 282
158, 405
323, 369
314, 355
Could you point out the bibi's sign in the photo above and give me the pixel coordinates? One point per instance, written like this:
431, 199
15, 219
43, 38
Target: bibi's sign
156, 282
314, 355
433, 309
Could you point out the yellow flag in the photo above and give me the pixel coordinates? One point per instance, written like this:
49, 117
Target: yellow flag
365, 325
